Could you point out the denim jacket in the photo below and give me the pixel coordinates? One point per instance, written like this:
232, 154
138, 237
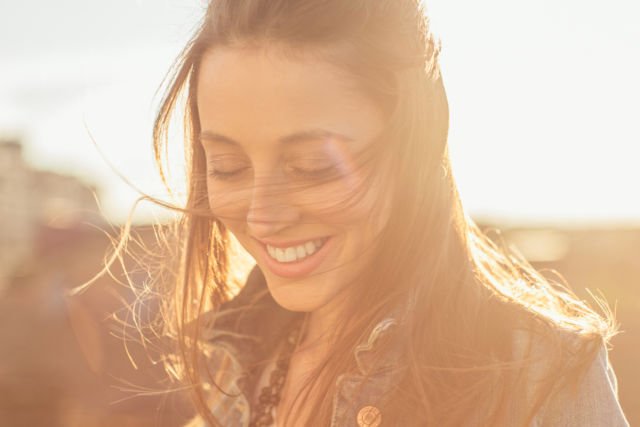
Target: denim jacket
241, 337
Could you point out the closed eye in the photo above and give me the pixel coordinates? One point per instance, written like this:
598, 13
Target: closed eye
225, 169
219, 174
314, 172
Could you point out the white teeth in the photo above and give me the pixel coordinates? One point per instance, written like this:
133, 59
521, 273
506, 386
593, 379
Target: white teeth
289, 254
295, 253
279, 254
301, 252
310, 247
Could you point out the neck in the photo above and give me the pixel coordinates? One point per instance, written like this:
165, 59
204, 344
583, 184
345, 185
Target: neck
318, 330
317, 336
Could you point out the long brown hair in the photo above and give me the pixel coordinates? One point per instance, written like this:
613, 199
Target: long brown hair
468, 292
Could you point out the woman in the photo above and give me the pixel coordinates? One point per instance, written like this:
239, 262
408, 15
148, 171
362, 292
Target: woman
316, 135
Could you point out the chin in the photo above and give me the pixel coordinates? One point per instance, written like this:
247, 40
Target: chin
298, 295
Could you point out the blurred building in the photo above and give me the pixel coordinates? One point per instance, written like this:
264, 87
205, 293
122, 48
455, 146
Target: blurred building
31, 199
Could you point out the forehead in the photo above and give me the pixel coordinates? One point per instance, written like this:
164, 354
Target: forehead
252, 94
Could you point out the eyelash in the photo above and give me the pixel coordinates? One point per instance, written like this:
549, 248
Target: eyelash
314, 173
305, 174
216, 174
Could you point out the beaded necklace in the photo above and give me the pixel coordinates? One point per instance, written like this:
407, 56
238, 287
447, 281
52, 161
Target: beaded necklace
270, 394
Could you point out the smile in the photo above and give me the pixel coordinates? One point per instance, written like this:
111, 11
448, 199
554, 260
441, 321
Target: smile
296, 259
295, 253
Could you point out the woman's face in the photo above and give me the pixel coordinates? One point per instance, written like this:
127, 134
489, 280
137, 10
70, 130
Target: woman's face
280, 137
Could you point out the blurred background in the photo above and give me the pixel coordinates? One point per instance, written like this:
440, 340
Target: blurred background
544, 139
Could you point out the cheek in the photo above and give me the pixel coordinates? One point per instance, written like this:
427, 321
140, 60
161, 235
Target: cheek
346, 200
370, 213
362, 204
224, 199
228, 203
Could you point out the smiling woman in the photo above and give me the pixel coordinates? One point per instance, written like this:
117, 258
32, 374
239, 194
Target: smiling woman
316, 134
282, 176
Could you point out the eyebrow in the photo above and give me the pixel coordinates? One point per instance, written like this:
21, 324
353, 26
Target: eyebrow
306, 135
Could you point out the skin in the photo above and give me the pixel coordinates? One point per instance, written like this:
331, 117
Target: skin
250, 100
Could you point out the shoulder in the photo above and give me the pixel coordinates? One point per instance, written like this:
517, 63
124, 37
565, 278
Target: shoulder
568, 378
593, 401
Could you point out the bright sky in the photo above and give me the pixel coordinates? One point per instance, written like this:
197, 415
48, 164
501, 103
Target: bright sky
544, 98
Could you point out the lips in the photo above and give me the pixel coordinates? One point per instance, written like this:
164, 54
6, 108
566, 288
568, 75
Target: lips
294, 268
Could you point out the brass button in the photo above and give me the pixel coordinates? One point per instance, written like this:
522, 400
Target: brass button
369, 416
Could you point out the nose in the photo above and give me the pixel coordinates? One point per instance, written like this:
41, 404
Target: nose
270, 210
